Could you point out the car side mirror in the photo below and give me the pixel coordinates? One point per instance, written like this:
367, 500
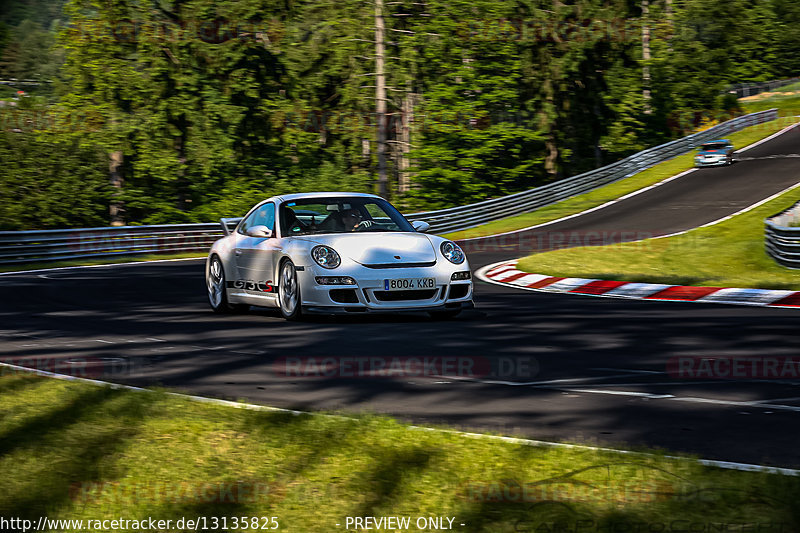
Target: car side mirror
420, 226
261, 232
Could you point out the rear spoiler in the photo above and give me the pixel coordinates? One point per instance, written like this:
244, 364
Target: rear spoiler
227, 222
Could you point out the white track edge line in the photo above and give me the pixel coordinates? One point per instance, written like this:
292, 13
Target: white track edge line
769, 138
747, 467
587, 211
723, 219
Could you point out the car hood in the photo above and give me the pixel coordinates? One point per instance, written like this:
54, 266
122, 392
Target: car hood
380, 248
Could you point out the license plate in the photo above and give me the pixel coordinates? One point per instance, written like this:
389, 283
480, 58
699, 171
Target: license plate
407, 284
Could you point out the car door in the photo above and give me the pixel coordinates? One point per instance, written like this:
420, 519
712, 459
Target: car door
255, 256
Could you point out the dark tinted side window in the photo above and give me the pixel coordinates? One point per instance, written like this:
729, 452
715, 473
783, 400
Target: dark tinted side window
263, 216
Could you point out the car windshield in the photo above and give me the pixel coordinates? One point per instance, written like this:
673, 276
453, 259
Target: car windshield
341, 214
712, 146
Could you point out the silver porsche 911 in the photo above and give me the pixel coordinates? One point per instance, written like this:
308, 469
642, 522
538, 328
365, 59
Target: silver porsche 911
330, 252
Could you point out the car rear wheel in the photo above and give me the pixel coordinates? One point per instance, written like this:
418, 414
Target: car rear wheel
289, 291
217, 292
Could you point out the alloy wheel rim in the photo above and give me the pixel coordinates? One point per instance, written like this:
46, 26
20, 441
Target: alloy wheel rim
288, 288
216, 281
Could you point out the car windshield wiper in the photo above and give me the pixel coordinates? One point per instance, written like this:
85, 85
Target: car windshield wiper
310, 232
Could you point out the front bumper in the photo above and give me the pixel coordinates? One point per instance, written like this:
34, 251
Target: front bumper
353, 309
369, 294
713, 163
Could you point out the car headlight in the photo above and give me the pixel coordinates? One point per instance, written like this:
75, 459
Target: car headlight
452, 252
326, 257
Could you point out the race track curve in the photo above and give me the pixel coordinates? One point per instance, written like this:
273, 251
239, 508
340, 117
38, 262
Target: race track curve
551, 367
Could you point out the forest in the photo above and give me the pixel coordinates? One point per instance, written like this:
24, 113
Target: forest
175, 111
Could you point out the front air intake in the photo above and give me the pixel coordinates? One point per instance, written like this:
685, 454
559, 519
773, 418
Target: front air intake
396, 296
344, 296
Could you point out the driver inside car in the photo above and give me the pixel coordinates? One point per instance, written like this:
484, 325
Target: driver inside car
342, 221
351, 219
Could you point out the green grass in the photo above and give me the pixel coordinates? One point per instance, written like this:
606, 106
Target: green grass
99, 261
728, 254
787, 105
70, 450
612, 191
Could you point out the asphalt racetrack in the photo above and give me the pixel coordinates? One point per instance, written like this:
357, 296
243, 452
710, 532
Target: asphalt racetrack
546, 366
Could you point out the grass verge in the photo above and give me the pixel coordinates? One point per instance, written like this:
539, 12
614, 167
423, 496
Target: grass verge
728, 254
75, 451
787, 104
614, 190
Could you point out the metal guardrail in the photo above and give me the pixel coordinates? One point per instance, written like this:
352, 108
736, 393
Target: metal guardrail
468, 216
57, 245
53, 245
749, 89
782, 239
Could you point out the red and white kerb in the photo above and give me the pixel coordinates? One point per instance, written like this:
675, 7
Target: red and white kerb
506, 273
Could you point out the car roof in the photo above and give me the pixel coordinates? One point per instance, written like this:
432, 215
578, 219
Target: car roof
303, 195
719, 141
297, 196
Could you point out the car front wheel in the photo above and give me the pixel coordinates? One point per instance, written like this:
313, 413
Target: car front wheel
289, 291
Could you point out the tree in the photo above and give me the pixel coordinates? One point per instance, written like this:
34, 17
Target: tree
787, 37
48, 181
185, 92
